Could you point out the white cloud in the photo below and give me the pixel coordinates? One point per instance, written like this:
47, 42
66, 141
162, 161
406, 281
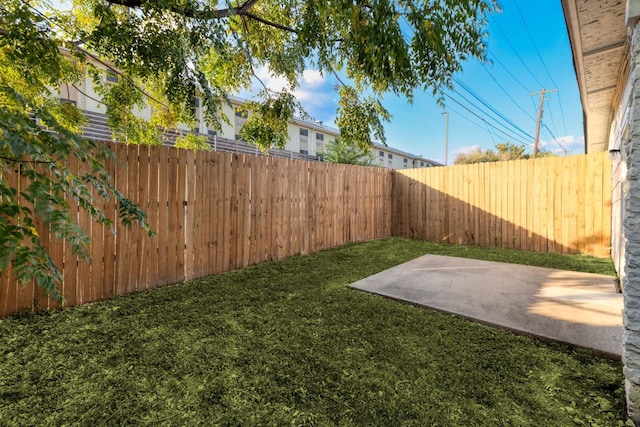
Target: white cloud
271, 81
314, 92
309, 81
312, 77
570, 143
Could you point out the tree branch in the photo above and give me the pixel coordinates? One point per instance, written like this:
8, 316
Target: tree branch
120, 73
270, 23
194, 13
14, 160
243, 10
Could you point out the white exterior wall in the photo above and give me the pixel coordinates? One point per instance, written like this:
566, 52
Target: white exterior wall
227, 130
91, 103
293, 144
619, 138
294, 137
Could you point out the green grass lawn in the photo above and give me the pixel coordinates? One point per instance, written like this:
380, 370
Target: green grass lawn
287, 343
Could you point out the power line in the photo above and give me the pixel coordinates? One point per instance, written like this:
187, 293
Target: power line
516, 53
491, 135
564, 123
507, 131
553, 121
517, 104
487, 128
535, 47
495, 58
490, 107
547, 147
493, 109
544, 64
509, 136
555, 139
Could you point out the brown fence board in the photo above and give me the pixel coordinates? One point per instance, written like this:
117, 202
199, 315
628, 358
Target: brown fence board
603, 215
25, 292
549, 202
120, 255
557, 208
185, 175
153, 213
234, 201
145, 200
174, 207
70, 259
162, 234
8, 284
133, 263
589, 203
580, 214
222, 215
210, 216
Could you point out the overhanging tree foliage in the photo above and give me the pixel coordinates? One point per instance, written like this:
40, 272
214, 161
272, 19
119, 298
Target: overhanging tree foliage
166, 54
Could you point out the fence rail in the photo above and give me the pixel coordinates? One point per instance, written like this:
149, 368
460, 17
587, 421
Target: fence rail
216, 212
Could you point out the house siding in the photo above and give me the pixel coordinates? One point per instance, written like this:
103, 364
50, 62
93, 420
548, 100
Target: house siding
630, 191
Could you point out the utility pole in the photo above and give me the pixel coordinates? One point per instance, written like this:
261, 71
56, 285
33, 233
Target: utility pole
542, 94
446, 141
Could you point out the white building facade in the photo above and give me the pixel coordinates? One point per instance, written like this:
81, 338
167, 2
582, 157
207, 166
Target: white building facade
307, 139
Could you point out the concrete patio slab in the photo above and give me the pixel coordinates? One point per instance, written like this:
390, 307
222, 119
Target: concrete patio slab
576, 308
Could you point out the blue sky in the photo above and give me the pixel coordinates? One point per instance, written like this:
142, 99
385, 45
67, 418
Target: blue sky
528, 50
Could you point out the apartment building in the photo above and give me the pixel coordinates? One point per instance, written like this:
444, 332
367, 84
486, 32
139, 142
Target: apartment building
393, 158
306, 141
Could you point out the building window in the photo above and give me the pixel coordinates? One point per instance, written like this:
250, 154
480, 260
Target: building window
304, 132
197, 102
406, 160
242, 113
238, 138
196, 129
212, 133
319, 137
112, 77
381, 153
390, 156
68, 101
421, 163
304, 151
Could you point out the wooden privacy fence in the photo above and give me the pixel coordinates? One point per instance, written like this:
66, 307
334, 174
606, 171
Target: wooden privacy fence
560, 205
213, 212
216, 212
